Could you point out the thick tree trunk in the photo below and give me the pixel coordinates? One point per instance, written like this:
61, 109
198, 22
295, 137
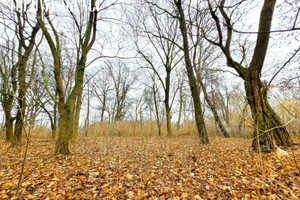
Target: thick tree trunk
9, 127
65, 131
9, 120
268, 126
19, 127
169, 125
67, 116
19, 124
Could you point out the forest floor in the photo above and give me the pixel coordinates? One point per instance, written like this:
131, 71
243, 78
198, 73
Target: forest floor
150, 168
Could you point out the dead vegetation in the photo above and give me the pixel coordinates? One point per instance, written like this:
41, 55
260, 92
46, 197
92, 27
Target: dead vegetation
150, 167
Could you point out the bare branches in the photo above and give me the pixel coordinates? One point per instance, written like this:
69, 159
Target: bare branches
283, 66
296, 18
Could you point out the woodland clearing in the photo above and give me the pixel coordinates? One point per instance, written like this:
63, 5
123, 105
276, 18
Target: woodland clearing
149, 168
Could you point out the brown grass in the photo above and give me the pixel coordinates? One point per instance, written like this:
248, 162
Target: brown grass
145, 129
137, 129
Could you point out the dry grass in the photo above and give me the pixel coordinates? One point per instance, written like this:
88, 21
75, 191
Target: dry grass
145, 129
137, 129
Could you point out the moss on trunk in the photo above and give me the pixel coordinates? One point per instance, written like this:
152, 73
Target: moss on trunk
64, 135
269, 130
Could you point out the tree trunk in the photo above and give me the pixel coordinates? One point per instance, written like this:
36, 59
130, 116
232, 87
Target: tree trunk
167, 104
87, 119
19, 124
66, 108
192, 80
156, 111
67, 115
9, 127
103, 109
180, 105
64, 135
269, 129
77, 112
7, 98
54, 119
268, 126
213, 109
9, 120
141, 120
243, 115
169, 125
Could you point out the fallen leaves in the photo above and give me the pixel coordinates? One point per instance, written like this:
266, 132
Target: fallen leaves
150, 168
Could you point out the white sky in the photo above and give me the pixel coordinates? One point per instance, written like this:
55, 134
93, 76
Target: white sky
281, 46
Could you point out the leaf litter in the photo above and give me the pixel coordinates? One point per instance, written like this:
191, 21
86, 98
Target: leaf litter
150, 168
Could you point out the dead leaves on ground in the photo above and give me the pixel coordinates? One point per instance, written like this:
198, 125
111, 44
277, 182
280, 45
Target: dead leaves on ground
150, 168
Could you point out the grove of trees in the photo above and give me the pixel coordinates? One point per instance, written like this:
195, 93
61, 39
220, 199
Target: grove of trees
218, 63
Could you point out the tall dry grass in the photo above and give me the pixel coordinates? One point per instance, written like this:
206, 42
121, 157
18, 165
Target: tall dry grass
136, 129
146, 129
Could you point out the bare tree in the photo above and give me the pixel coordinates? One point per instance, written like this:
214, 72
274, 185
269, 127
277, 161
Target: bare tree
190, 71
153, 99
26, 30
86, 38
161, 33
268, 124
203, 55
8, 74
123, 80
101, 88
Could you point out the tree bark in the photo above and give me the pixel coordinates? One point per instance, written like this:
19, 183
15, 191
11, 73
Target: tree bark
9, 127
77, 112
87, 119
192, 80
268, 125
158, 123
19, 124
167, 103
65, 130
180, 104
67, 116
